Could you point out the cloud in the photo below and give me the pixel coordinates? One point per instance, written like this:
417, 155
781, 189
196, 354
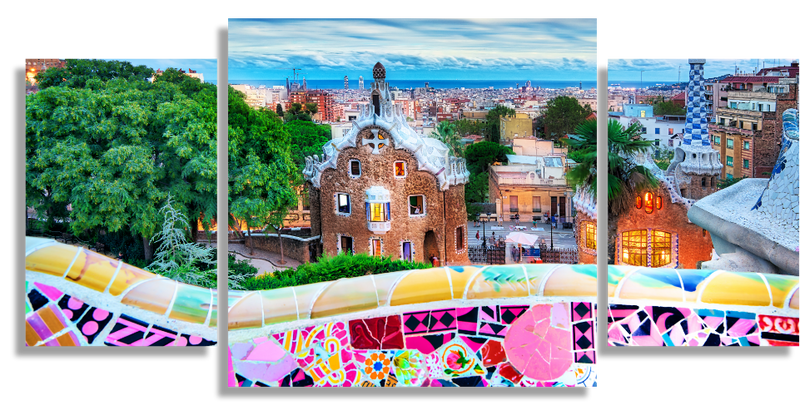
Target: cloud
409, 45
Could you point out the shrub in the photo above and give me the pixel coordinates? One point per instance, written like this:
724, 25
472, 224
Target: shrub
239, 272
177, 258
330, 268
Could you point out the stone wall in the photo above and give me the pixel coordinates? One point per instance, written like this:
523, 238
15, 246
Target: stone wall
293, 246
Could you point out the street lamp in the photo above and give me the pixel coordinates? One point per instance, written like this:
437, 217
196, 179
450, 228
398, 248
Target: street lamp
552, 224
484, 219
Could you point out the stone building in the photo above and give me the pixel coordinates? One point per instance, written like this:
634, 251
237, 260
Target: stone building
533, 184
385, 190
657, 232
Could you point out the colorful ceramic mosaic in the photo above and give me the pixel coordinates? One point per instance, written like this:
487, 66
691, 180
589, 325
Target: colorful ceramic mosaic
76, 297
494, 326
668, 307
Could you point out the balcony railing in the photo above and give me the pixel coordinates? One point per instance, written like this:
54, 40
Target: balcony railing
730, 130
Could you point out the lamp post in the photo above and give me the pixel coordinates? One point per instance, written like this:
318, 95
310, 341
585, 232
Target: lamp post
484, 219
552, 224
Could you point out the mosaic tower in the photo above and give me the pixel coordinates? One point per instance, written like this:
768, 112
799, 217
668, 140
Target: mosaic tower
696, 164
346, 84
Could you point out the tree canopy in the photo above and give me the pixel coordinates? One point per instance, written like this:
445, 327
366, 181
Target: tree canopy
113, 150
466, 127
481, 155
307, 139
77, 72
493, 121
261, 174
562, 116
668, 107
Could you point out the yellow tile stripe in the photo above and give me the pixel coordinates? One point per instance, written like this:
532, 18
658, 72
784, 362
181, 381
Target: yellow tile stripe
703, 287
413, 287
120, 281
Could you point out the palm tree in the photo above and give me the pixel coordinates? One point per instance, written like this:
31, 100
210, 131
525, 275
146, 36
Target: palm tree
446, 132
626, 178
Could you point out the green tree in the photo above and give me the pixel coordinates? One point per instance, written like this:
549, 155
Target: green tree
481, 155
295, 108
261, 177
77, 72
727, 182
307, 139
493, 122
113, 150
312, 108
301, 116
663, 157
668, 108
279, 110
446, 133
466, 127
562, 116
625, 177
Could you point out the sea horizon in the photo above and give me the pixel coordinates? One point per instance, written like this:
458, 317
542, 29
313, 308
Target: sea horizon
636, 84
437, 84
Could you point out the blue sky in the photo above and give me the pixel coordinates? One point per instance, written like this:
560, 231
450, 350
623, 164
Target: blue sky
556, 49
208, 67
666, 70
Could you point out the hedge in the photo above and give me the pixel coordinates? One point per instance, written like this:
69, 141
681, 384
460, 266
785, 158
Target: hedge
330, 268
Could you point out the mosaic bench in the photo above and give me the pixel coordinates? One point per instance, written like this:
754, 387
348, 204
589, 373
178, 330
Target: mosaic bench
77, 297
471, 326
675, 307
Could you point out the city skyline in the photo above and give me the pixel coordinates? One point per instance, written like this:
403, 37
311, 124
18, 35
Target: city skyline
559, 49
667, 70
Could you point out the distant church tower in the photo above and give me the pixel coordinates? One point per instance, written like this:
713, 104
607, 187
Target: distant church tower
361, 82
346, 85
696, 164
304, 84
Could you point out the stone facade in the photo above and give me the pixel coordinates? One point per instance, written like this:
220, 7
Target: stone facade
585, 214
443, 210
294, 247
690, 244
586, 254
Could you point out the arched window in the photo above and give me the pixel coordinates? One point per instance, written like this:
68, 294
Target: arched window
649, 203
638, 202
658, 203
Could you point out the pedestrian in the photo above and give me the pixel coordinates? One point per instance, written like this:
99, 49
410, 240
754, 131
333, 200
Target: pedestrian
492, 240
478, 235
534, 223
516, 218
